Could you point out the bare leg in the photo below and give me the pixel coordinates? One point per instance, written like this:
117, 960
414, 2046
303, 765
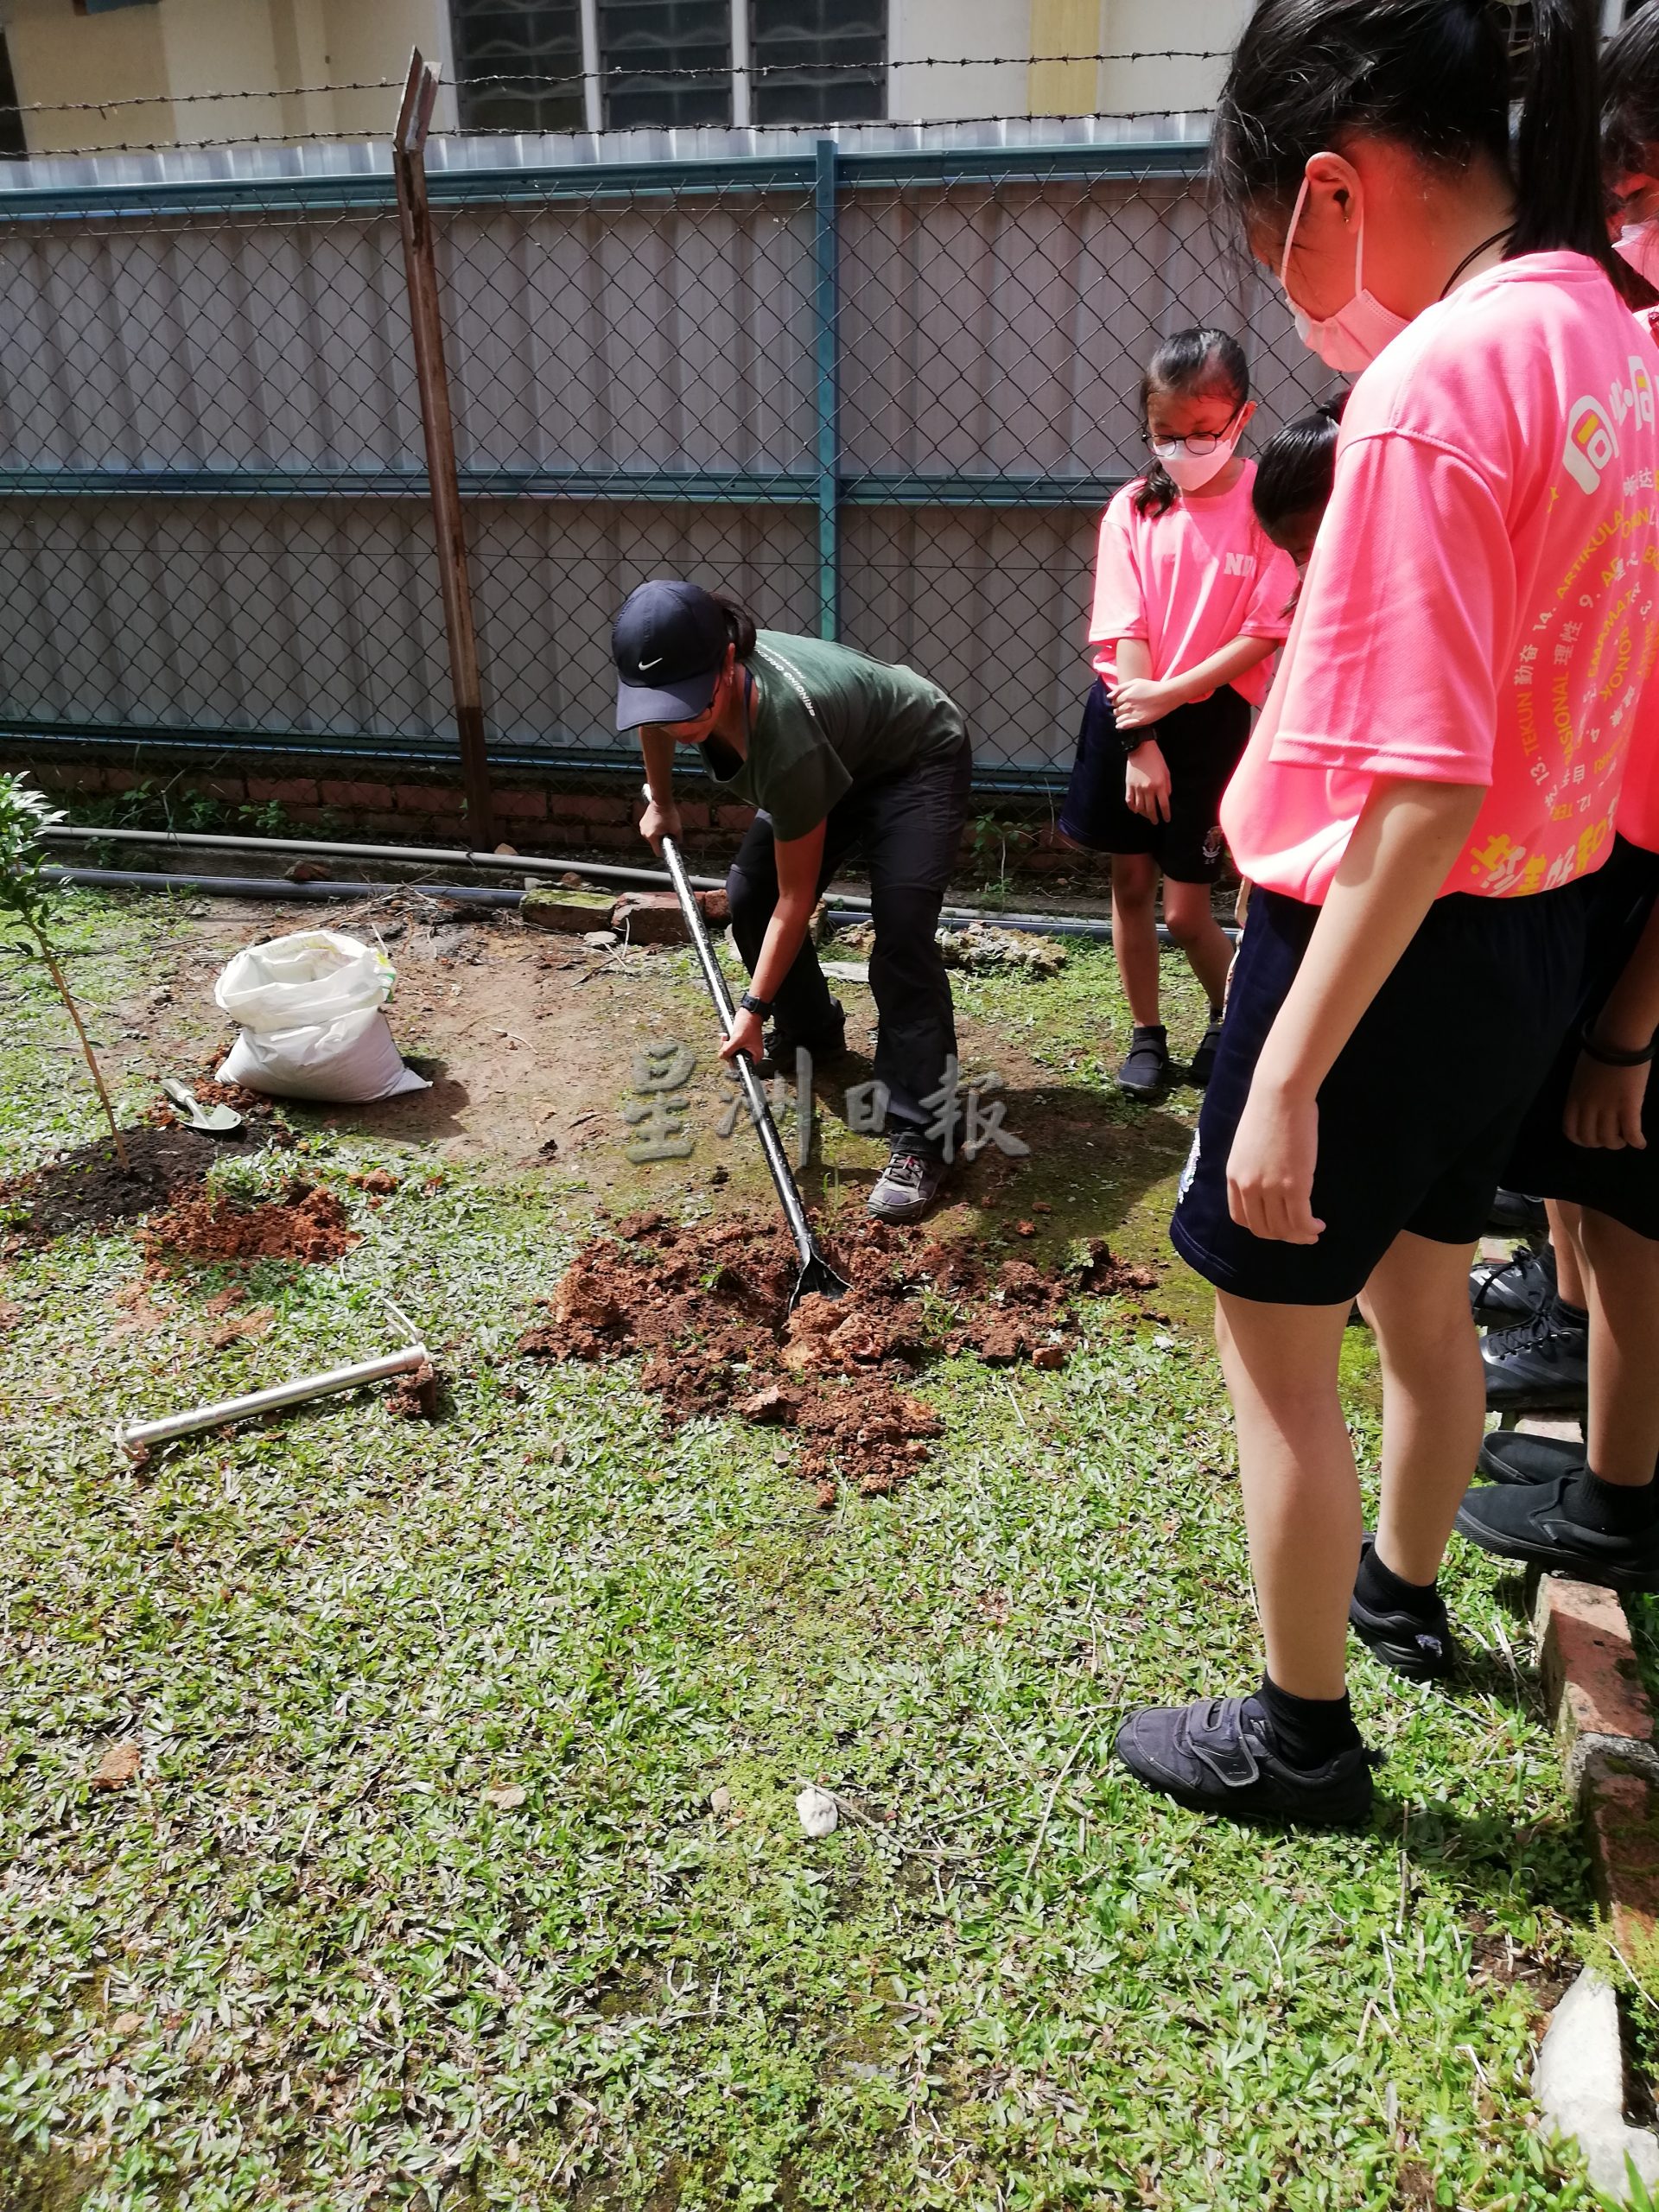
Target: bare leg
1188, 919
1433, 1398
1569, 1252
1301, 1495
1134, 933
1622, 1284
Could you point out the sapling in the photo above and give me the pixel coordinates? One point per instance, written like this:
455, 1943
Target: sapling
37, 902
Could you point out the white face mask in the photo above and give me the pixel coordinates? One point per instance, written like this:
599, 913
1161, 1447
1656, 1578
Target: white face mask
1189, 472
1352, 339
1638, 244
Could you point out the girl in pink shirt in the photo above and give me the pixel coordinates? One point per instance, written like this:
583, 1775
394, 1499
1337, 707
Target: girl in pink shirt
1591, 1140
1190, 598
1432, 780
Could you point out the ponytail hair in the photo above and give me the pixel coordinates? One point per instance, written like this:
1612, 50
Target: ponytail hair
1437, 76
740, 624
1188, 364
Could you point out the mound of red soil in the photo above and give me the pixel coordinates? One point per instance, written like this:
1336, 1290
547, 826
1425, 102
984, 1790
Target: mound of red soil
707, 1306
89, 1189
307, 1222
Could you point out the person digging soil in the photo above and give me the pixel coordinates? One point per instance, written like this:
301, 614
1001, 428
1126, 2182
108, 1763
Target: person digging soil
839, 754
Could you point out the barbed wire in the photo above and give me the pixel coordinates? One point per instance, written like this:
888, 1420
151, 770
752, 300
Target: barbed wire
575, 79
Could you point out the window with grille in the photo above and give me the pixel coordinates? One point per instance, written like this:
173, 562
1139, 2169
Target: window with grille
819, 61
666, 63
13, 144
518, 64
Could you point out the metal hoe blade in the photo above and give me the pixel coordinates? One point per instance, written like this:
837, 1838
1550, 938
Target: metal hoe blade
816, 1277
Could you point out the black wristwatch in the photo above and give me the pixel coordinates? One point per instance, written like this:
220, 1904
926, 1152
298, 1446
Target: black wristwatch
1613, 1056
750, 1004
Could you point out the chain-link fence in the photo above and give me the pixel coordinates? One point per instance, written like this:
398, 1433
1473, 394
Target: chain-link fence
881, 396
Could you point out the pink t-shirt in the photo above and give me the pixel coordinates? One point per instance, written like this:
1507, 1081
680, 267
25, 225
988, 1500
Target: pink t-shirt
1638, 802
1189, 581
1481, 605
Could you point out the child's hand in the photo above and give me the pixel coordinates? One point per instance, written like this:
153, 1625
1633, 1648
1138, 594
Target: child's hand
1146, 781
1604, 1106
1138, 701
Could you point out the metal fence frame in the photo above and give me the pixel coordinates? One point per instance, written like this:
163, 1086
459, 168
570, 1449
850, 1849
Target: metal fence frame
830, 173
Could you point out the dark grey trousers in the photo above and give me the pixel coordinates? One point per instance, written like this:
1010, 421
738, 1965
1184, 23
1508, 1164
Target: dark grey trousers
906, 828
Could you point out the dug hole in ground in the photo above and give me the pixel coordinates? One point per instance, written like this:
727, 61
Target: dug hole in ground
448, 1842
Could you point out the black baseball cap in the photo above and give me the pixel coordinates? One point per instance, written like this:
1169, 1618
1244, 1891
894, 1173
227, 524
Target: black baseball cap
668, 643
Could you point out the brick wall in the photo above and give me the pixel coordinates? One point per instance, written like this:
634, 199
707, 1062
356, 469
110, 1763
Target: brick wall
539, 816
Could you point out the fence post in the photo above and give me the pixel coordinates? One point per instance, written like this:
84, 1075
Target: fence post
826, 250
426, 324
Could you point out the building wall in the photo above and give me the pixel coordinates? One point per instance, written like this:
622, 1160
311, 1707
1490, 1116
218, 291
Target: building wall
160, 53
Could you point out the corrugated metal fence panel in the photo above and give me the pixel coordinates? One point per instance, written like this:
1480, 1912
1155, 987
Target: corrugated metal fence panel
274, 340
638, 390
631, 334
321, 619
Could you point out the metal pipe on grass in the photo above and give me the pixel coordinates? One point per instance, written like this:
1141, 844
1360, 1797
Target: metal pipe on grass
134, 1437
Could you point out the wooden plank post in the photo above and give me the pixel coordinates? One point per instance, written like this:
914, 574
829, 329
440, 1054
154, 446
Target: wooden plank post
426, 324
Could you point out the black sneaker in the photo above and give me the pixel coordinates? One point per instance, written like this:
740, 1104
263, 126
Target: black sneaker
1511, 1455
1534, 1522
1220, 1755
1501, 1290
1540, 1366
778, 1055
1517, 1213
1202, 1064
1420, 1646
1145, 1073
909, 1183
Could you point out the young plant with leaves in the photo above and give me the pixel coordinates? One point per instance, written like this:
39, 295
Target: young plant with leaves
26, 893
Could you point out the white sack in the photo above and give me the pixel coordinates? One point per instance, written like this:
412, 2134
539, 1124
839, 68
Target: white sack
309, 1008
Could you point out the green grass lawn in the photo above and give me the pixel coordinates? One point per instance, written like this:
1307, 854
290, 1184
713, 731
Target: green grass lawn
308, 1963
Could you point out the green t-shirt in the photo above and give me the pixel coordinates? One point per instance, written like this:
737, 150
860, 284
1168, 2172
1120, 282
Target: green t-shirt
827, 718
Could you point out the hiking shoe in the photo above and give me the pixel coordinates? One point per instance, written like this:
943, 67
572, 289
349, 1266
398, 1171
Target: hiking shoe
1419, 1646
1511, 1455
1512, 1288
1517, 1213
1146, 1072
1537, 1522
1203, 1063
1220, 1755
779, 1050
908, 1184
1541, 1365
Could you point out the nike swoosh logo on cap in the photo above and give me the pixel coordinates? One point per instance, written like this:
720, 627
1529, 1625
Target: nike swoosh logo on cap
645, 664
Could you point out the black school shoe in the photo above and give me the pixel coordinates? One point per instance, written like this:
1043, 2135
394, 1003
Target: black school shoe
1511, 1455
1145, 1072
1202, 1065
1541, 1365
1419, 1646
1517, 1213
1536, 1522
1500, 1291
1220, 1755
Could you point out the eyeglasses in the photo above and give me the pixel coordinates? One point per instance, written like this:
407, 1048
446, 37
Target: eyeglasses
1202, 444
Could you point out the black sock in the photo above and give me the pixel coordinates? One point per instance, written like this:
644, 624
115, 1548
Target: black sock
1563, 1316
1612, 1508
1215, 1017
1309, 1730
1148, 1029
1380, 1590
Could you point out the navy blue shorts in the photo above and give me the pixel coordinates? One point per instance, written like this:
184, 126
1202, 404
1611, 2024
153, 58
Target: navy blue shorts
1201, 744
1419, 1114
1624, 1184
